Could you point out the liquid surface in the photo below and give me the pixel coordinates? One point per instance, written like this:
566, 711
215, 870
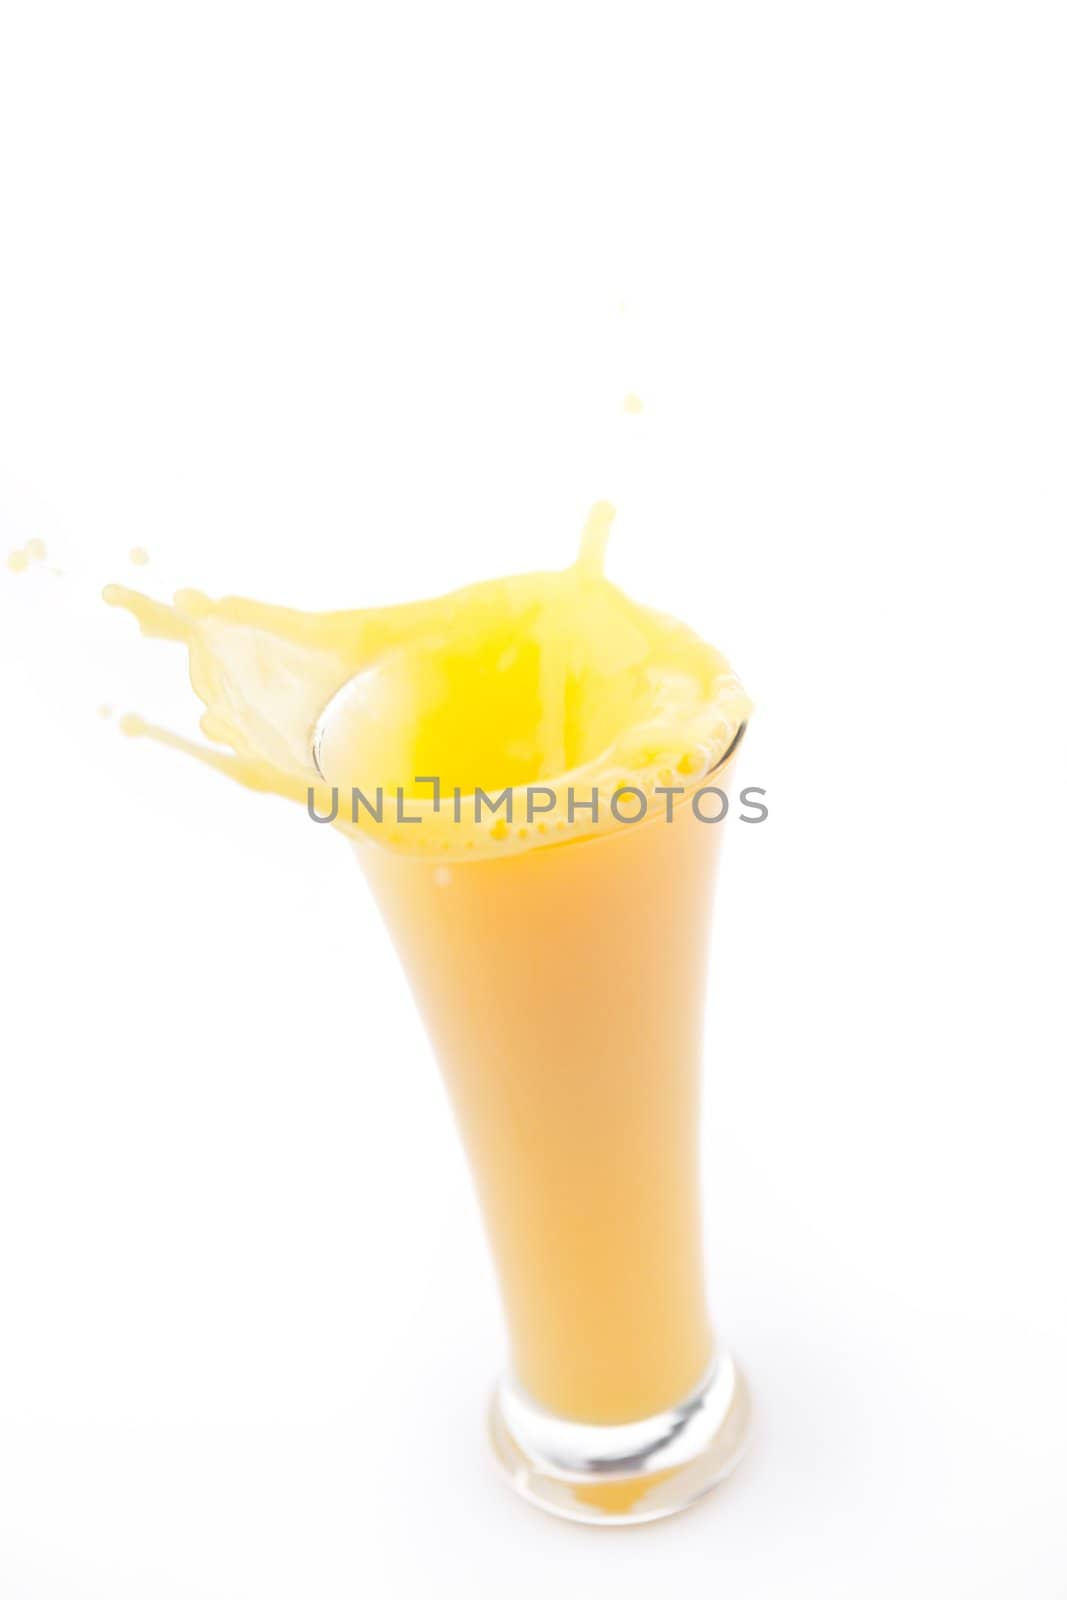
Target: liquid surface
554, 679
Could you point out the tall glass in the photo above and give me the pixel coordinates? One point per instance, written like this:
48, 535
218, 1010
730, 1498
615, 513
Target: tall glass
563, 991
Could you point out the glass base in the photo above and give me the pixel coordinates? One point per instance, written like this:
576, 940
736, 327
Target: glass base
635, 1472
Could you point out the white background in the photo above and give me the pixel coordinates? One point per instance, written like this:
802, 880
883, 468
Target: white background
337, 304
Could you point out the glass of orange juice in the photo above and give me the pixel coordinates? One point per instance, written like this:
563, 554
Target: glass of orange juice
556, 947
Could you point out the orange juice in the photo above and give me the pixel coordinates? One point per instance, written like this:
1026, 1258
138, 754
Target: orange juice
563, 991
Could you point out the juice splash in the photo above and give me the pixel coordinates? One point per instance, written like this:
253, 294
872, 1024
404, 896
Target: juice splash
552, 680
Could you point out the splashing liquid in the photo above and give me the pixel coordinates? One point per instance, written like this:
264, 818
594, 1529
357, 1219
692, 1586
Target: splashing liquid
555, 680
557, 958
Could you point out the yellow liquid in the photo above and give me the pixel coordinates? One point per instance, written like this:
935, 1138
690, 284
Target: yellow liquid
558, 961
562, 989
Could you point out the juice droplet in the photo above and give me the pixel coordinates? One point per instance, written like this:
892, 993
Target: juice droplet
139, 556
32, 550
633, 404
103, 712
